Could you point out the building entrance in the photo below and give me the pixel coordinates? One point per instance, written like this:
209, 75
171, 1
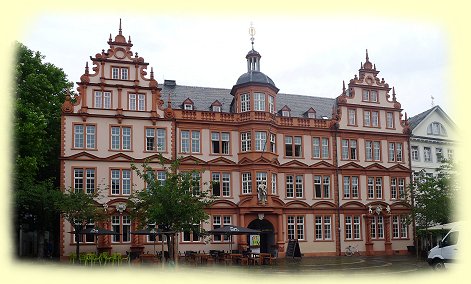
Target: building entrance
267, 236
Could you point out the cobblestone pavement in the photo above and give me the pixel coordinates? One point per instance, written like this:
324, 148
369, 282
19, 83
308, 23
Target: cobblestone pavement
340, 266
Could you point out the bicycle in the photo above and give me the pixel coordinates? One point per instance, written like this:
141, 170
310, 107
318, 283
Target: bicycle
351, 250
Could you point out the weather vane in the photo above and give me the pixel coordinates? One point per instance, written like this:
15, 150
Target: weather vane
432, 100
252, 33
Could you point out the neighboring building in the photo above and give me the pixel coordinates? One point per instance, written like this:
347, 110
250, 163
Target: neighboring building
433, 139
334, 168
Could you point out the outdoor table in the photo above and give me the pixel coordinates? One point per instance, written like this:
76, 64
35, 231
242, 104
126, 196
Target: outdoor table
236, 257
254, 258
201, 258
146, 258
263, 257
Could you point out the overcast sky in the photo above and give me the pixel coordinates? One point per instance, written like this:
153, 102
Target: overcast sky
303, 55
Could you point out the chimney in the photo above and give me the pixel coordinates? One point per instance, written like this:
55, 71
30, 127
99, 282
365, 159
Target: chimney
170, 83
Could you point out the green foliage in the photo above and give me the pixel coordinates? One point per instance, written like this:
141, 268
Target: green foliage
173, 204
79, 207
40, 91
434, 196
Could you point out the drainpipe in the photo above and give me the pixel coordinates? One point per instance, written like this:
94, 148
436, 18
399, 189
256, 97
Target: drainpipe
337, 197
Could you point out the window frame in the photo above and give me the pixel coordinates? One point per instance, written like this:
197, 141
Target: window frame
295, 226
351, 187
321, 228
349, 149
85, 135
191, 139
156, 139
121, 138
221, 142
120, 73
293, 146
121, 181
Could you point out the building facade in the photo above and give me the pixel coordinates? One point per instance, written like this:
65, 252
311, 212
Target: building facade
333, 168
432, 140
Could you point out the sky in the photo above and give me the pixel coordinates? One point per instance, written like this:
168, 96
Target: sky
303, 55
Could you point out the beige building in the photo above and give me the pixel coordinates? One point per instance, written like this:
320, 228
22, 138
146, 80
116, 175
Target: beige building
334, 168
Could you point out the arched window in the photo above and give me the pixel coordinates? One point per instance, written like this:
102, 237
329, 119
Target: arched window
436, 128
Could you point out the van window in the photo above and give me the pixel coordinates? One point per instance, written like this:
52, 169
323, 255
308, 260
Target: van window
451, 239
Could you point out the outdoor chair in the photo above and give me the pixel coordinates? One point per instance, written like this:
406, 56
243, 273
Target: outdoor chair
126, 258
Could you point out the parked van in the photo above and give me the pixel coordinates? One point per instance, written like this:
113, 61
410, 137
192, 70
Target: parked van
440, 256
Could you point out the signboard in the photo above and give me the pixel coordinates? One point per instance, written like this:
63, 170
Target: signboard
255, 240
293, 249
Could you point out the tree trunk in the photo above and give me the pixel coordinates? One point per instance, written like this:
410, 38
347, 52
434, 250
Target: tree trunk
40, 244
77, 248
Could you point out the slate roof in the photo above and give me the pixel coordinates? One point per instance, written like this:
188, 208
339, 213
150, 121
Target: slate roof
203, 97
415, 120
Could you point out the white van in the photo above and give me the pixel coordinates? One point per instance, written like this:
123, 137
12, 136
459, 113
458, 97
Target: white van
440, 256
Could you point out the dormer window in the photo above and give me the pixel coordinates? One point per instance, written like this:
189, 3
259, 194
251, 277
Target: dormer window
188, 104
310, 113
436, 128
188, 107
216, 106
286, 111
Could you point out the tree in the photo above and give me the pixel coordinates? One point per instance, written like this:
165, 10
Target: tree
40, 89
79, 208
434, 197
176, 205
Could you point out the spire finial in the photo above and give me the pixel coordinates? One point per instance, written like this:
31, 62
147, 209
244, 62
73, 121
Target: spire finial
169, 102
367, 58
432, 100
86, 67
120, 30
343, 88
394, 95
252, 33
152, 72
129, 40
110, 38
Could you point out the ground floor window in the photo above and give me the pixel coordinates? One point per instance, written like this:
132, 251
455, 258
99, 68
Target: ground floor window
218, 222
323, 227
377, 227
122, 225
399, 227
352, 228
296, 227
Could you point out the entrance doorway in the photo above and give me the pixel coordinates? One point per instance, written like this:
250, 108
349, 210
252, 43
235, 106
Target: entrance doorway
267, 235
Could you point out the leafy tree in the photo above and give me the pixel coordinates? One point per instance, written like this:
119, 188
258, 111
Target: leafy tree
79, 208
434, 197
40, 89
176, 205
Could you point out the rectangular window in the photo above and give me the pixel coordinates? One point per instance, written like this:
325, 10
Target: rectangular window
322, 187
220, 143
316, 148
299, 186
325, 148
273, 183
439, 153
246, 183
374, 119
352, 228
273, 143
349, 149
245, 102
427, 154
132, 102
373, 96
352, 117
259, 101
121, 138
87, 133
323, 228
218, 222
289, 186
192, 236
187, 106
141, 102
188, 138
155, 139
78, 180
389, 120
415, 153
399, 227
260, 141
370, 96
375, 188
376, 150
366, 118
102, 99
120, 73
120, 182
377, 228
395, 151
295, 227
221, 188
245, 141
350, 187
271, 104
121, 225
293, 150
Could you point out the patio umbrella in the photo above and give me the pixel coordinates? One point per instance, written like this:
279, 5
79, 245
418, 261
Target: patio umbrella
233, 230
96, 231
152, 232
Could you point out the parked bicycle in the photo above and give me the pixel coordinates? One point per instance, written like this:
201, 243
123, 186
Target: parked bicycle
351, 250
